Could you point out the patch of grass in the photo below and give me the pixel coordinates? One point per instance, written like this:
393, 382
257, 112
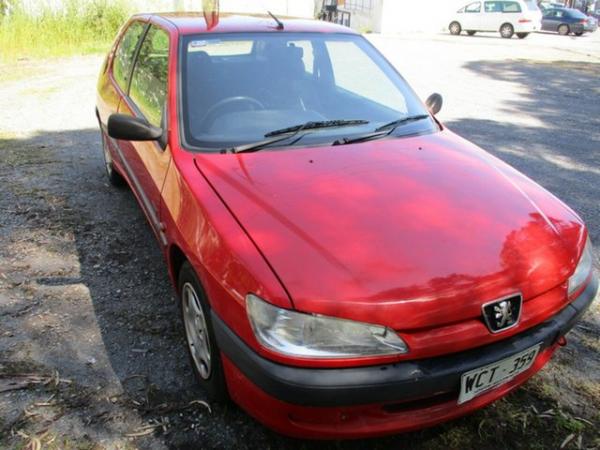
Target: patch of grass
77, 28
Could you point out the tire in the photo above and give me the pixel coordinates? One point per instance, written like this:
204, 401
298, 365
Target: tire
522, 35
579, 33
114, 177
507, 31
455, 28
564, 30
471, 32
205, 356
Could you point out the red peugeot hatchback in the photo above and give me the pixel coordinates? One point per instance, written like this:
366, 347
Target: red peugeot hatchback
347, 266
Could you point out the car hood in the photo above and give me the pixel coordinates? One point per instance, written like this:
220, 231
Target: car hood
408, 232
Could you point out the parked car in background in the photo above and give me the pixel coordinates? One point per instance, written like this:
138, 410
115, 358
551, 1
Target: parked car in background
519, 17
549, 5
565, 21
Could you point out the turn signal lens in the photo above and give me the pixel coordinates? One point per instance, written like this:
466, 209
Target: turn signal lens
583, 270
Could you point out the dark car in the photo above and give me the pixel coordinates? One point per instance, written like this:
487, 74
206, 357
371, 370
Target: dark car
565, 21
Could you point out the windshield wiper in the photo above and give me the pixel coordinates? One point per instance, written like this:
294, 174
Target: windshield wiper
316, 126
396, 123
382, 131
289, 132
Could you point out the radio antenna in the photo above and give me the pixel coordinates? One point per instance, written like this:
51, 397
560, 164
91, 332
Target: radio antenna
279, 22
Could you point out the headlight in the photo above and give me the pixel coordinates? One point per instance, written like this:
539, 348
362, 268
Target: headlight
297, 334
583, 269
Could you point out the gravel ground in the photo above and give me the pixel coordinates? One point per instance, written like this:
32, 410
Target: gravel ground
91, 354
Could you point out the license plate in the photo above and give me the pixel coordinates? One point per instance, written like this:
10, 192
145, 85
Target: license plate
477, 381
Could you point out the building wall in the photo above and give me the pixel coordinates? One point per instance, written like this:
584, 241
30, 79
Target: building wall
294, 8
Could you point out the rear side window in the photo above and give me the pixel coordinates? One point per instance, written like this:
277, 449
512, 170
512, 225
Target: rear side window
149, 81
491, 7
576, 14
511, 7
125, 52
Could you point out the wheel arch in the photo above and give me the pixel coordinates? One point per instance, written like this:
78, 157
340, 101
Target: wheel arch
177, 259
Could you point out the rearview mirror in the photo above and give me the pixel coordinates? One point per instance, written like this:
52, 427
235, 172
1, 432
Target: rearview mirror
129, 128
434, 103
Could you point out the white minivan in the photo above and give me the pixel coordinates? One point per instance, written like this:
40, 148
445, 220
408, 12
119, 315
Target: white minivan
509, 17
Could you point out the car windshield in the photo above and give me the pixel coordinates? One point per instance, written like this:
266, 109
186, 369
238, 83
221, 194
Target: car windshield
237, 88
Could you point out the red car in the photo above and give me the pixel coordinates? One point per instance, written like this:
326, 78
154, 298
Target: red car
347, 266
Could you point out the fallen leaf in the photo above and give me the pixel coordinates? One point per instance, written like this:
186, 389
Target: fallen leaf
567, 441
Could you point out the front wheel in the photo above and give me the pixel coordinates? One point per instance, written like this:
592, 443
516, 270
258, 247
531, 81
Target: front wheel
471, 32
200, 337
564, 30
522, 35
579, 33
507, 31
455, 28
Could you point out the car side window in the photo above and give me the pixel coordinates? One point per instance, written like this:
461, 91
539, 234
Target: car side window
149, 81
492, 7
125, 52
511, 7
558, 14
473, 7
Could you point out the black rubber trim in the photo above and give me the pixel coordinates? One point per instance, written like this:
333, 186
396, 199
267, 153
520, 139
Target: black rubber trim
400, 382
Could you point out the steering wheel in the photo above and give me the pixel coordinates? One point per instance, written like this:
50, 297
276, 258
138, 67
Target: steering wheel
215, 110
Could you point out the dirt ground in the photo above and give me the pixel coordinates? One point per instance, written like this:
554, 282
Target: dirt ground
91, 351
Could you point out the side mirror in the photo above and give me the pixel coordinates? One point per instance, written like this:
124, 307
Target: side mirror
434, 103
129, 128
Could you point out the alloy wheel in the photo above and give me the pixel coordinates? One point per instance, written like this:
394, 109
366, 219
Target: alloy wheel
507, 31
196, 330
455, 28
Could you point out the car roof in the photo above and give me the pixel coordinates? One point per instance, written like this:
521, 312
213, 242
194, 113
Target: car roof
194, 22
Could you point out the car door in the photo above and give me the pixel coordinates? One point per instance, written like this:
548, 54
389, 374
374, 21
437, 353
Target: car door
147, 163
492, 15
550, 21
472, 17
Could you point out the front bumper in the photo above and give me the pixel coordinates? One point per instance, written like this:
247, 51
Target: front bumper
394, 388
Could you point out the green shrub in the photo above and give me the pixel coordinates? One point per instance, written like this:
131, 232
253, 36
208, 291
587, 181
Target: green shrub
77, 28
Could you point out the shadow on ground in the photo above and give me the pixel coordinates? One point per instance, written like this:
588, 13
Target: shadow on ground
563, 153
